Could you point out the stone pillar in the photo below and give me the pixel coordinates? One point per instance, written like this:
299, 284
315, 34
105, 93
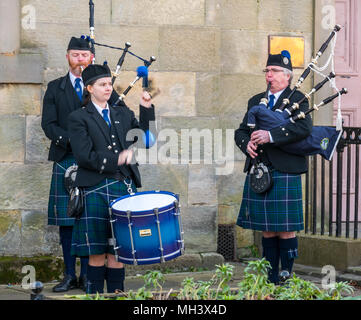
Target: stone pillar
9, 27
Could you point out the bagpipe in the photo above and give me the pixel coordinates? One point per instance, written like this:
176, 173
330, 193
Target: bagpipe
323, 139
142, 71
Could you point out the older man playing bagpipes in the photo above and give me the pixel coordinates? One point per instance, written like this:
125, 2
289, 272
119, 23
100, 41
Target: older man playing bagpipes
276, 141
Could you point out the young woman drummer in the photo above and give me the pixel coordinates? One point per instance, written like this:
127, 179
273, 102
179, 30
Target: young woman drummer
105, 172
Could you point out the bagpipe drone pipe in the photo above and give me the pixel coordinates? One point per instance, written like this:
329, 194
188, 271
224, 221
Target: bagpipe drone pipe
323, 139
142, 71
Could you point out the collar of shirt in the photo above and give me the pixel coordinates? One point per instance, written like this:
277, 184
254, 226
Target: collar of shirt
72, 79
277, 95
100, 109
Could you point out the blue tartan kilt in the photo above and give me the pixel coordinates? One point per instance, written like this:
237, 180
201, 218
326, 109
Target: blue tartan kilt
58, 195
91, 233
279, 209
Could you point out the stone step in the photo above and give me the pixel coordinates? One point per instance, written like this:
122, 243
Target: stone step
354, 270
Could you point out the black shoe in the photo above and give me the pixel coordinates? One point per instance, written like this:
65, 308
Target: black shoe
82, 283
68, 283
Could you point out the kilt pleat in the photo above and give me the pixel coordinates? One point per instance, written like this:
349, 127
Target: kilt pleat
91, 233
279, 209
58, 195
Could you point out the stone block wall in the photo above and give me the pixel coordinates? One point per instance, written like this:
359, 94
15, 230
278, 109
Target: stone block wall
210, 54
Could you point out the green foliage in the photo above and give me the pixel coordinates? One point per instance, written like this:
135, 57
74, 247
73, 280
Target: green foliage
254, 286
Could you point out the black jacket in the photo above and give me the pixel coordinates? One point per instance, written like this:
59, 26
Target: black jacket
96, 148
60, 100
281, 135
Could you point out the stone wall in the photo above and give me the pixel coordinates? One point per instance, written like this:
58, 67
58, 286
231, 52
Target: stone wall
210, 54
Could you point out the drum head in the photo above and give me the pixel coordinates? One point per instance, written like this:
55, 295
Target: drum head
144, 201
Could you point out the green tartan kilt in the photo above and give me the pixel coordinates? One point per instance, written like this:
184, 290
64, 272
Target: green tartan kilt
279, 209
58, 195
91, 233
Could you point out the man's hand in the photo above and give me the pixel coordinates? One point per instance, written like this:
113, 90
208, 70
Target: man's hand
125, 156
146, 99
251, 149
260, 137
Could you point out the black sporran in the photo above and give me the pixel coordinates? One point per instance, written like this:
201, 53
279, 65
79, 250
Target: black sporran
260, 178
76, 203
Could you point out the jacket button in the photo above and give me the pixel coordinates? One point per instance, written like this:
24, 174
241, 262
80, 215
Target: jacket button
109, 147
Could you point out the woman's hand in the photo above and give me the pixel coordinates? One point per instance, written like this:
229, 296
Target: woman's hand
146, 99
125, 157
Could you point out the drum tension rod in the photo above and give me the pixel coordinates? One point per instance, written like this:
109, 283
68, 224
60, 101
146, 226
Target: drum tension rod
156, 211
131, 237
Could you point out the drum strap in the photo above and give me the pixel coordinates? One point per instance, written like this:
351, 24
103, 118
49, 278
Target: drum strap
129, 185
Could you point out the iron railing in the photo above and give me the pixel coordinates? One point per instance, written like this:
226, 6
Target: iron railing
332, 190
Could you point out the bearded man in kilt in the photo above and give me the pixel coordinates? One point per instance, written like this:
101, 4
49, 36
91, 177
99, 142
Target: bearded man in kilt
63, 96
278, 212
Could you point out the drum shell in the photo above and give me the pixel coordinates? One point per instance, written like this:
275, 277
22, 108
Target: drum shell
144, 234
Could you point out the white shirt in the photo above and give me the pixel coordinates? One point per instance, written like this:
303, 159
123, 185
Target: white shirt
100, 109
72, 79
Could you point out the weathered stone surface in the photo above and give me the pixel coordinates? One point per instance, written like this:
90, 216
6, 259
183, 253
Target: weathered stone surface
173, 178
189, 49
228, 214
202, 185
211, 259
20, 99
186, 12
54, 42
37, 144
185, 134
9, 27
207, 94
21, 68
10, 234
233, 14
69, 12
230, 187
284, 15
46, 269
199, 224
235, 92
243, 51
12, 138
230, 124
24, 186
176, 92
244, 237
37, 238
144, 41
33, 227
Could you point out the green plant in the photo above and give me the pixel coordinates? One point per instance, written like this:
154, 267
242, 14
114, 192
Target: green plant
254, 286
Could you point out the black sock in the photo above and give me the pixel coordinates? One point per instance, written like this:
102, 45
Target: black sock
65, 233
288, 253
271, 253
95, 279
115, 279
